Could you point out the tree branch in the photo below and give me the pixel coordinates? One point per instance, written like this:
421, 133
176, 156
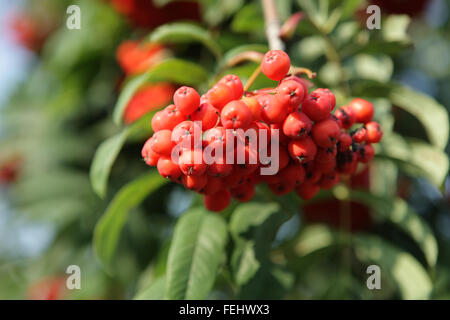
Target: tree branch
272, 24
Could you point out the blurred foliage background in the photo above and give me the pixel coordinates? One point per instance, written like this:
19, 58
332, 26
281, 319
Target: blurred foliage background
76, 109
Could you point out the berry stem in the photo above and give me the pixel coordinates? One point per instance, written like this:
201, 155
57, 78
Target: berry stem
297, 70
252, 78
253, 56
272, 23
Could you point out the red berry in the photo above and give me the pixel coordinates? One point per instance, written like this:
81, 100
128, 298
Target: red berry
272, 110
326, 133
294, 174
363, 110
347, 162
366, 153
326, 154
150, 157
235, 84
329, 180
168, 169
346, 115
374, 132
325, 166
313, 173
162, 142
191, 162
236, 115
345, 141
329, 95
281, 188
243, 193
275, 64
219, 95
303, 150
218, 201
213, 185
219, 168
195, 183
360, 135
186, 133
207, 114
291, 94
306, 191
186, 99
254, 107
157, 122
297, 125
317, 105
171, 117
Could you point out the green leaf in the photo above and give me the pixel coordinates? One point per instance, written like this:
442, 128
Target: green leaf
409, 275
433, 115
249, 19
197, 248
397, 212
372, 67
103, 160
172, 70
416, 158
181, 32
108, 228
154, 292
253, 227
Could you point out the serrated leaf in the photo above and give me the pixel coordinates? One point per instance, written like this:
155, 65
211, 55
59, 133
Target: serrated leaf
172, 70
409, 275
154, 292
253, 227
197, 248
433, 115
103, 160
181, 32
397, 212
108, 228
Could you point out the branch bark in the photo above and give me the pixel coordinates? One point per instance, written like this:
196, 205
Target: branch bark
272, 25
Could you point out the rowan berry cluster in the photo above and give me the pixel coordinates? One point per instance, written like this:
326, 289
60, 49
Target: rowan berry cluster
296, 133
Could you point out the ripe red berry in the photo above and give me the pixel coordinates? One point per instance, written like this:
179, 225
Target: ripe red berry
326, 133
243, 193
346, 115
363, 110
360, 135
191, 162
326, 154
186, 99
374, 132
303, 150
297, 125
291, 94
171, 117
317, 106
157, 122
272, 110
347, 162
213, 185
218, 201
186, 133
329, 95
219, 95
306, 191
235, 84
195, 183
281, 188
236, 115
207, 114
254, 107
275, 64
365, 153
329, 180
150, 157
325, 166
345, 141
219, 169
161, 142
168, 169
294, 174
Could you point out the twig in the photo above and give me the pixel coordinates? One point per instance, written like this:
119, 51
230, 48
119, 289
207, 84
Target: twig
272, 23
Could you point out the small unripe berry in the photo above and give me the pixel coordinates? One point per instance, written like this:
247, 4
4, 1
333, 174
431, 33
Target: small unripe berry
275, 64
186, 99
363, 110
